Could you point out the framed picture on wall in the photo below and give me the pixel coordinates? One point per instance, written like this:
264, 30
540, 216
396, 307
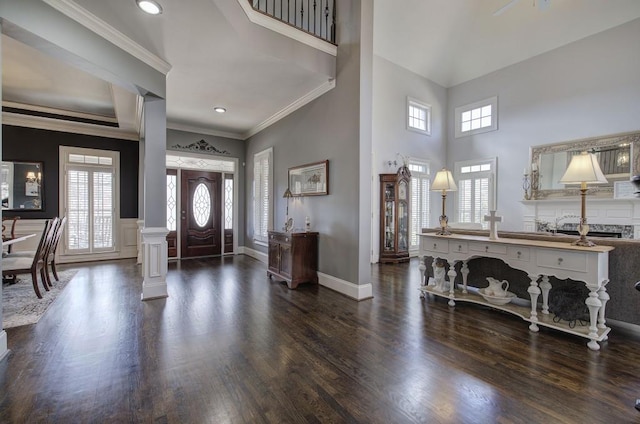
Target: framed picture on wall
309, 180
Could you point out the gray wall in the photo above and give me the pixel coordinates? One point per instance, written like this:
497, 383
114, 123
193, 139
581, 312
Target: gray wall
587, 88
327, 128
230, 148
391, 86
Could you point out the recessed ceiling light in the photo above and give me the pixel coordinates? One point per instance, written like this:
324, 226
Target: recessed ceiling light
219, 109
149, 6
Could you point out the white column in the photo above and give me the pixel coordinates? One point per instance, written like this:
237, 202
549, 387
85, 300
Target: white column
3, 334
154, 234
154, 266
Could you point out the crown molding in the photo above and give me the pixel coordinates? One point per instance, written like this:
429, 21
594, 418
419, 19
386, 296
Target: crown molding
312, 95
287, 30
54, 111
109, 33
50, 124
201, 130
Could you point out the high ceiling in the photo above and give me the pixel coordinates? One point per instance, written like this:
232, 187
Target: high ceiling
453, 41
447, 41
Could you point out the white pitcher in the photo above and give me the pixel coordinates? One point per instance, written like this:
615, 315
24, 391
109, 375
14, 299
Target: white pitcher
497, 288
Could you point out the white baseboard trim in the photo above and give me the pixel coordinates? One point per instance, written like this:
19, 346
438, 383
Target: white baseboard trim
623, 325
349, 289
3, 344
261, 256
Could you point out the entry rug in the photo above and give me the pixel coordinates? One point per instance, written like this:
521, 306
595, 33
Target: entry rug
21, 306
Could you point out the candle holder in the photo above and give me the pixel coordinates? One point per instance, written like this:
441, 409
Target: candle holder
535, 183
526, 186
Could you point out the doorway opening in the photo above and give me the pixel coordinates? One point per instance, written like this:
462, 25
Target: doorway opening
201, 206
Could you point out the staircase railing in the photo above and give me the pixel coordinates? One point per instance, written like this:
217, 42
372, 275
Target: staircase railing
316, 17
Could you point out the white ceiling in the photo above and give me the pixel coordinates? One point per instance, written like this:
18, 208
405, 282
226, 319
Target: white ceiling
453, 41
447, 41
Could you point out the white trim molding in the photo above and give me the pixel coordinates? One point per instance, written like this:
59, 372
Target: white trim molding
297, 104
154, 263
201, 130
60, 125
287, 30
354, 291
255, 254
109, 33
140, 224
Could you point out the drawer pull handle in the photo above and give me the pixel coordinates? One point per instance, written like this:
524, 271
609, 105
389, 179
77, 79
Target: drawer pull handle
559, 261
519, 253
435, 245
486, 248
459, 247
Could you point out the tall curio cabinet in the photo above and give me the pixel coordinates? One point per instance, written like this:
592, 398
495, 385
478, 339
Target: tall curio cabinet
394, 216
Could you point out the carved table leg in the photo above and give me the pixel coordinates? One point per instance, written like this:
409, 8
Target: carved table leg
433, 268
452, 280
534, 292
465, 273
422, 269
594, 304
545, 285
604, 298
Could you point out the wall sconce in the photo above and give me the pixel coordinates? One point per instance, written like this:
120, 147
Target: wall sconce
31, 177
583, 169
444, 182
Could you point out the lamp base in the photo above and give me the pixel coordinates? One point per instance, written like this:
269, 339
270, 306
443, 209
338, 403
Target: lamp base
444, 223
583, 230
583, 241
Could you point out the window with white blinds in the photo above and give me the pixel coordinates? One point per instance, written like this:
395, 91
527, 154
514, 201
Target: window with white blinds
90, 197
476, 190
420, 184
262, 198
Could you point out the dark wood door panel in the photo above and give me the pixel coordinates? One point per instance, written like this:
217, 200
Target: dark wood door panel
201, 213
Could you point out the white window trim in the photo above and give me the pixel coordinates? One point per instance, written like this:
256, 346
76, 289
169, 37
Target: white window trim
64, 164
258, 238
493, 101
457, 176
427, 107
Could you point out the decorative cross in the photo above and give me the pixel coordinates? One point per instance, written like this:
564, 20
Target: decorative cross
493, 220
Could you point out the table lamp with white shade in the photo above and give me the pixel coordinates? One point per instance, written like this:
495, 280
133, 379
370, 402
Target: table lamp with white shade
583, 169
444, 182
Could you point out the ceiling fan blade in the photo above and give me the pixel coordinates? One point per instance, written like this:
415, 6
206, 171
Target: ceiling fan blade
505, 7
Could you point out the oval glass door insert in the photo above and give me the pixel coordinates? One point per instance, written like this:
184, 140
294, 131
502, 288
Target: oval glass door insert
201, 204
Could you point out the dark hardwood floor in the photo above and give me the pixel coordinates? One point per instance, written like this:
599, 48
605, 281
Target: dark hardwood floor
231, 346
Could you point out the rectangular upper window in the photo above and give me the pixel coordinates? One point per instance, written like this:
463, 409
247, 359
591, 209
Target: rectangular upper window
418, 116
478, 117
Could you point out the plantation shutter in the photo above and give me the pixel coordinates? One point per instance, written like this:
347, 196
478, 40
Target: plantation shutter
419, 207
262, 196
77, 210
102, 210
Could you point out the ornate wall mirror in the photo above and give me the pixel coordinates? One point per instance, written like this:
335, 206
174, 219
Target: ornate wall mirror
618, 156
21, 185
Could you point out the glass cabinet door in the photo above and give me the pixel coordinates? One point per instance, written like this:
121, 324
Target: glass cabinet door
389, 241
403, 216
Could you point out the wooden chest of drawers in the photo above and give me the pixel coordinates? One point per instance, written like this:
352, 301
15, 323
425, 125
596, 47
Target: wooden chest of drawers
293, 257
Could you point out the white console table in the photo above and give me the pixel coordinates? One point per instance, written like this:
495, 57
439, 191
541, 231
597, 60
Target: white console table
537, 259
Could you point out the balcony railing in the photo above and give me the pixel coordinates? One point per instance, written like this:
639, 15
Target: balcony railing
316, 17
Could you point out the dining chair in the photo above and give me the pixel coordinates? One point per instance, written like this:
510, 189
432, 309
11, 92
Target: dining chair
11, 231
15, 265
50, 255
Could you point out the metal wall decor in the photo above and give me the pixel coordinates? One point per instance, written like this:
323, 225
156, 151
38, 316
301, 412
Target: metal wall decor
200, 146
